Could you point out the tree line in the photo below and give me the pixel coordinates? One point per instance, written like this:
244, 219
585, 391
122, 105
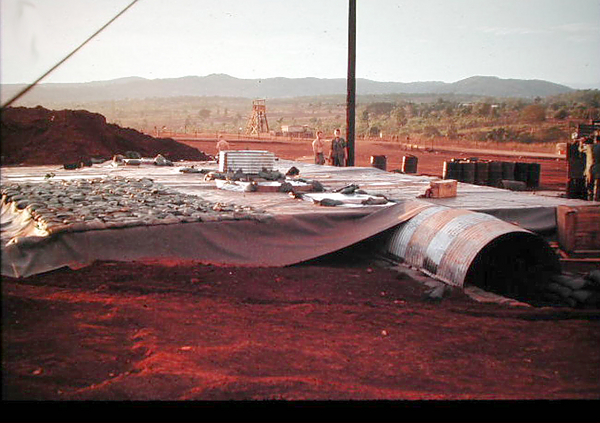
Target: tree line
545, 120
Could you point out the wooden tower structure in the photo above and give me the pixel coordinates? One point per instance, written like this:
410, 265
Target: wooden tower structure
257, 123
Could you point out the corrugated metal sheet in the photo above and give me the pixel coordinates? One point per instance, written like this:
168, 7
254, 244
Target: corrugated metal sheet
445, 242
248, 161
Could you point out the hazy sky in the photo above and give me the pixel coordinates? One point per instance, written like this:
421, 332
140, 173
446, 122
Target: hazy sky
397, 40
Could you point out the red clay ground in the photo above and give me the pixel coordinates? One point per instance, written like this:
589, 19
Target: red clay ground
553, 171
324, 331
341, 330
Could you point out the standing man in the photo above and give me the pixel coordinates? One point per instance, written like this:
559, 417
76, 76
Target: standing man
338, 154
222, 145
591, 148
318, 146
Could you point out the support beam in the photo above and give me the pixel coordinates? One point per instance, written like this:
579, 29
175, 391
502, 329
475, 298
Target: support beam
351, 81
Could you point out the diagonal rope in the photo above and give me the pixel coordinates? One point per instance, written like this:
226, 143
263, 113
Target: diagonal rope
33, 84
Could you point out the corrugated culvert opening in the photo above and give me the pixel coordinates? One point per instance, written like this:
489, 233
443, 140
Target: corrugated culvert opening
515, 265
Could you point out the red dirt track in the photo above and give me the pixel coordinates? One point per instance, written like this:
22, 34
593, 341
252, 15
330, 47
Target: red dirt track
339, 328
553, 171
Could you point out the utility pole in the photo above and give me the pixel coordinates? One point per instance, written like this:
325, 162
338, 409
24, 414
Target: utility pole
351, 83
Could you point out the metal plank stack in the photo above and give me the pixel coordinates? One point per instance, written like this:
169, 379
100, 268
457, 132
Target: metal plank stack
247, 161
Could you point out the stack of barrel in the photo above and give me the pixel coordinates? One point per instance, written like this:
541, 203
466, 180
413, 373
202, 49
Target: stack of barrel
511, 175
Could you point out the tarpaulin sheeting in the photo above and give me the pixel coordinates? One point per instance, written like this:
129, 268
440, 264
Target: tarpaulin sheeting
294, 230
535, 219
272, 241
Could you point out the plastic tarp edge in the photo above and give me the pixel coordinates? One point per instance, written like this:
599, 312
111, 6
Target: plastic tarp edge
281, 241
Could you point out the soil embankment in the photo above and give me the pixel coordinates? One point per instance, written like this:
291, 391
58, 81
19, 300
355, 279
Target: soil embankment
38, 136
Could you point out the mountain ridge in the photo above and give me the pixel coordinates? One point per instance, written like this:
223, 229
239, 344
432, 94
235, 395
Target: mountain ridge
277, 87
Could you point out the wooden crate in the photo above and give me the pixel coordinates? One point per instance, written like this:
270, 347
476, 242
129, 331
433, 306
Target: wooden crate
442, 189
579, 229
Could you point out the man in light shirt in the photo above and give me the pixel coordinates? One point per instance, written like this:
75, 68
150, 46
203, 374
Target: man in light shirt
222, 145
318, 146
591, 148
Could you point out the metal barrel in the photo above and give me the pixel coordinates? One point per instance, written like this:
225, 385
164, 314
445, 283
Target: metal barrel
494, 173
380, 162
512, 185
409, 164
575, 161
468, 172
533, 175
461, 247
451, 170
521, 170
482, 169
508, 170
576, 188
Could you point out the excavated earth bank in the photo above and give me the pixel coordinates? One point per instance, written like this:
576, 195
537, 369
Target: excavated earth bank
35, 136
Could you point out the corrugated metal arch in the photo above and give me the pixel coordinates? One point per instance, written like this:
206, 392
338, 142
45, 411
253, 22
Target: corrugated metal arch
462, 247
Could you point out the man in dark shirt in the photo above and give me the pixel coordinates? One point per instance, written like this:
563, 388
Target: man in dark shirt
338, 153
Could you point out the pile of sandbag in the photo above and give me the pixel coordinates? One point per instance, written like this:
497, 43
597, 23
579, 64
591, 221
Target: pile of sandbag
573, 290
111, 202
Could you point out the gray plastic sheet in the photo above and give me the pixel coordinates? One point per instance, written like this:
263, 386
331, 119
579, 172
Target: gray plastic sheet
297, 230
274, 241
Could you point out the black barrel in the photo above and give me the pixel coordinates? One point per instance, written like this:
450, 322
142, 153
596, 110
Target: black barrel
521, 171
508, 171
533, 175
409, 164
380, 162
576, 188
494, 173
468, 172
482, 169
451, 170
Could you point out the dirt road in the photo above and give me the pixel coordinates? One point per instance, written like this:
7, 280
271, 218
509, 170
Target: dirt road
553, 174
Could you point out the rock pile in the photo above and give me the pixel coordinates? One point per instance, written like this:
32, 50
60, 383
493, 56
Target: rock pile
574, 291
112, 202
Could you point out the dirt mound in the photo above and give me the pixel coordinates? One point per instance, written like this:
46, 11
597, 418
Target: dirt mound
38, 136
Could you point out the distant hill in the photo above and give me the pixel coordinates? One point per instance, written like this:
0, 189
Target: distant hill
228, 86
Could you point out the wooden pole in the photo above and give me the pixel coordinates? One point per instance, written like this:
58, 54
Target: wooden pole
351, 83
